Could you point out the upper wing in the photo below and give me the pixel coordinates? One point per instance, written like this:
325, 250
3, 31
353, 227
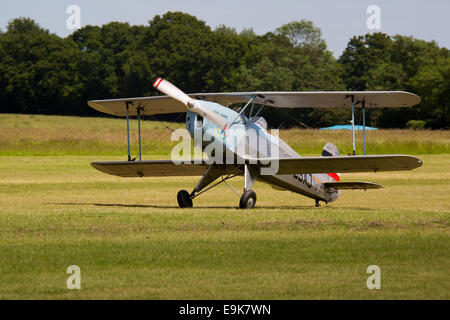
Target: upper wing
147, 105
156, 168
314, 99
343, 164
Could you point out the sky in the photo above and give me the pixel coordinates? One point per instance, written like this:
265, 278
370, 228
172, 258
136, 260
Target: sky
338, 20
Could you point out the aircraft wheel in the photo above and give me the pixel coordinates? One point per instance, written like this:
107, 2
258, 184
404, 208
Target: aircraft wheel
248, 200
184, 199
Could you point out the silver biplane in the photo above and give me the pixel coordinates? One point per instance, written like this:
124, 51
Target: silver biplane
208, 114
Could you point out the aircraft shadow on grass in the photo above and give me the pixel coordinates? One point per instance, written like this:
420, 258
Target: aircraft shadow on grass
202, 207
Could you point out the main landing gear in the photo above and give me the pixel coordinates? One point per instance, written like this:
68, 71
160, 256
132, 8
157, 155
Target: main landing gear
318, 203
247, 199
184, 199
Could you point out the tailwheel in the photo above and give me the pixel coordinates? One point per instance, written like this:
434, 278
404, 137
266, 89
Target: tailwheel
248, 200
184, 199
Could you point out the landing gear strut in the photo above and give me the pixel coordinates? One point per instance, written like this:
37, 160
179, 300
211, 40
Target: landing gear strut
247, 200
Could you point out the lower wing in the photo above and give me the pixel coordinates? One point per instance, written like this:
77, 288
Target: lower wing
161, 168
342, 164
156, 168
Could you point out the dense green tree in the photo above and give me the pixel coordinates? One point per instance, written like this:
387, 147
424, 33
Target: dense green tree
38, 69
227, 53
378, 62
433, 85
179, 47
364, 53
295, 58
303, 34
43, 73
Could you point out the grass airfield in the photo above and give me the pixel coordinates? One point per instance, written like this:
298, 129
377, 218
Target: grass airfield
131, 241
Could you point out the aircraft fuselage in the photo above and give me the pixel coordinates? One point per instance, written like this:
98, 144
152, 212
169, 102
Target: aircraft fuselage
244, 138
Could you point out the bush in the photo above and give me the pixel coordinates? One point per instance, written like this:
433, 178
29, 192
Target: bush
415, 124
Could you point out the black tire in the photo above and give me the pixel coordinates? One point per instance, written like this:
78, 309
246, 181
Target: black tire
184, 199
248, 200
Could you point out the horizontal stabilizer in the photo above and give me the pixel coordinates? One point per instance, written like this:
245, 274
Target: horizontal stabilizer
352, 185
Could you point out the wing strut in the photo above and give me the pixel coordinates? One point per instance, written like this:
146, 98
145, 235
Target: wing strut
139, 132
353, 124
127, 103
138, 110
364, 124
363, 102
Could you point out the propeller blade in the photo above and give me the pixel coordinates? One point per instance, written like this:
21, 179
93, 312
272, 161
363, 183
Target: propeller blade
193, 105
170, 90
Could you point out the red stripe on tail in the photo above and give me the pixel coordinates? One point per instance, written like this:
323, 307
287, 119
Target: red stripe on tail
334, 176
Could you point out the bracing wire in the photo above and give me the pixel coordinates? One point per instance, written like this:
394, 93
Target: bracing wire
163, 133
293, 118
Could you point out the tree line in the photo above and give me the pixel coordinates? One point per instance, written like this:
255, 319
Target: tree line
42, 73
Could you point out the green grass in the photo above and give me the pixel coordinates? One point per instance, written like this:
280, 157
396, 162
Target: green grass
131, 240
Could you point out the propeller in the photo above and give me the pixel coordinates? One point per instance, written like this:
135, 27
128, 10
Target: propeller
193, 105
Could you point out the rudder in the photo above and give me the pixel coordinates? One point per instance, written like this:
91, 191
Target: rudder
330, 150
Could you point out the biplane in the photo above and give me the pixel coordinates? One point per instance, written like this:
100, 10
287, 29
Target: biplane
211, 117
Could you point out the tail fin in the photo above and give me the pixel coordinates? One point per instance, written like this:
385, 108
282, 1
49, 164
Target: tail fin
330, 150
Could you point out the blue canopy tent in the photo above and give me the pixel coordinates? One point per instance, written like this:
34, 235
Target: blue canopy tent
347, 127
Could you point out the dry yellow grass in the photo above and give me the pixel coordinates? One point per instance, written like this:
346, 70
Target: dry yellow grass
55, 135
